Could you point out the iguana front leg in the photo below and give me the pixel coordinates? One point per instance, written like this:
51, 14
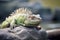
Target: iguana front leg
13, 24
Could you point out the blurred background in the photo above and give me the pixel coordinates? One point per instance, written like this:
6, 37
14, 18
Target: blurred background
49, 10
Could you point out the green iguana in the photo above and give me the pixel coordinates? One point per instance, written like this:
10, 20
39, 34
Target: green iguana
23, 17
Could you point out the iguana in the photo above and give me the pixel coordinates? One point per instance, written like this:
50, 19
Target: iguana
21, 17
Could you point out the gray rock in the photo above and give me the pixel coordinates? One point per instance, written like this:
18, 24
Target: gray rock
5, 29
22, 33
4, 35
30, 33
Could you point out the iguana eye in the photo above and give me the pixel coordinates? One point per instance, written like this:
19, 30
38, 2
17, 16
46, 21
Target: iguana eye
32, 17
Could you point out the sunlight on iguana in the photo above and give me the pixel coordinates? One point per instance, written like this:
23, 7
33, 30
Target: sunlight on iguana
21, 17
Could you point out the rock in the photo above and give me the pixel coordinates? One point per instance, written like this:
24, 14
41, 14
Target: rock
7, 36
5, 29
30, 33
22, 33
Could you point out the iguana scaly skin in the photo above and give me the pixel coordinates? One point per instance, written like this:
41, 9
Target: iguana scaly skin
21, 16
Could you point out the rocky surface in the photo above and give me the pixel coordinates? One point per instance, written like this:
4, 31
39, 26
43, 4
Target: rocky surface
5, 35
22, 33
